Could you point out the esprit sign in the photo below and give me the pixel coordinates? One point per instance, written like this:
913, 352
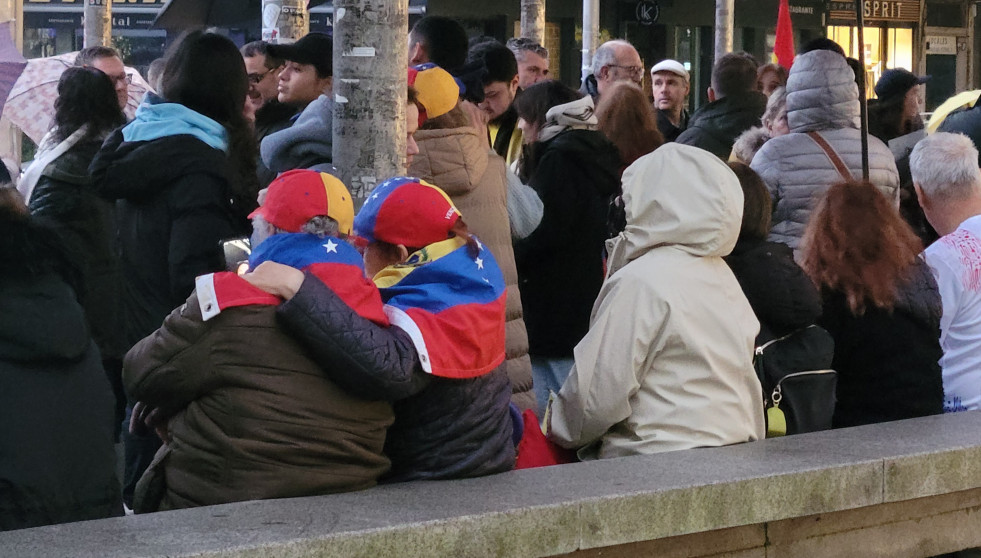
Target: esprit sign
880, 10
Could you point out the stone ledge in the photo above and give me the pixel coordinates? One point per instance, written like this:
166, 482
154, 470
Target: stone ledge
558, 510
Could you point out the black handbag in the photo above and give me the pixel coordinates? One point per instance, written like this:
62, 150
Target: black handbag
798, 383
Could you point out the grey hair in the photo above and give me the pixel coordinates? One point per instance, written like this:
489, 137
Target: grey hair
520, 45
320, 225
776, 104
945, 166
606, 54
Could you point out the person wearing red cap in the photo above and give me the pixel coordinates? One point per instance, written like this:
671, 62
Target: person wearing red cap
245, 413
441, 362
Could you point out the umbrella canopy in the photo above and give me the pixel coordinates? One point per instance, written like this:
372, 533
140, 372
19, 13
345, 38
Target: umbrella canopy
30, 105
12, 64
964, 99
184, 14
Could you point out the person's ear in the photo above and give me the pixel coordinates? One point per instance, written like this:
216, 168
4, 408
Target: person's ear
711, 95
513, 87
403, 253
920, 197
603, 73
328, 85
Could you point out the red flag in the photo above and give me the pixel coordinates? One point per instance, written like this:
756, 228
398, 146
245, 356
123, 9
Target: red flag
783, 48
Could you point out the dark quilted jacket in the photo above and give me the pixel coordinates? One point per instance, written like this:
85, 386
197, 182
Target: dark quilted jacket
444, 428
888, 362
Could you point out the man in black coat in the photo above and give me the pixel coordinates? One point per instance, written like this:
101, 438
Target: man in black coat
734, 106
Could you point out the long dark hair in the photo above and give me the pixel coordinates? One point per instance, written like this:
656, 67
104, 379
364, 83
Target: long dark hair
86, 96
205, 73
532, 105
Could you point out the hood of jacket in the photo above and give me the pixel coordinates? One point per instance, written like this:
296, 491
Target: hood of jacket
454, 159
821, 93
577, 115
599, 159
306, 143
679, 196
40, 319
156, 118
729, 116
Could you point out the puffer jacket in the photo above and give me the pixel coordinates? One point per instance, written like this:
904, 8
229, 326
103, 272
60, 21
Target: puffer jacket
821, 97
460, 163
444, 428
57, 462
667, 363
560, 265
715, 126
173, 207
888, 361
64, 196
256, 418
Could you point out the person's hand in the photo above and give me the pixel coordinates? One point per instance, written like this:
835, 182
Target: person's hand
478, 118
145, 418
252, 104
276, 279
136, 425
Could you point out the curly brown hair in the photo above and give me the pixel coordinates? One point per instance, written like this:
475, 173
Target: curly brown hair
857, 244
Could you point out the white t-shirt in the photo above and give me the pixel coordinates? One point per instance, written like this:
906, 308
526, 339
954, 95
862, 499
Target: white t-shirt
955, 261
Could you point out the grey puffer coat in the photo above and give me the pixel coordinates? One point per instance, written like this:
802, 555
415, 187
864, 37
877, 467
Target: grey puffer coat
821, 97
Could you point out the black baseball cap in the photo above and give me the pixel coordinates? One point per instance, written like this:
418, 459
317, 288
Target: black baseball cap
314, 48
897, 81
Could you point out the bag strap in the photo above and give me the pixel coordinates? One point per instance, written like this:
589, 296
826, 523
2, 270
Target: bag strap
832, 155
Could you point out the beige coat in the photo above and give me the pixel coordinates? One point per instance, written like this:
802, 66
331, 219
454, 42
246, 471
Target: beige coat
460, 162
667, 363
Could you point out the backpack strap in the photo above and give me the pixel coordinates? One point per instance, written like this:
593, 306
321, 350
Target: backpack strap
832, 155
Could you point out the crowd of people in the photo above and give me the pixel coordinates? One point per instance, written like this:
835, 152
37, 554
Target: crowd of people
599, 265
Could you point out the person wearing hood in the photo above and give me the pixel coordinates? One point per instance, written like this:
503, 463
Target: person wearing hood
667, 363
734, 106
176, 195
453, 154
56, 406
575, 171
822, 105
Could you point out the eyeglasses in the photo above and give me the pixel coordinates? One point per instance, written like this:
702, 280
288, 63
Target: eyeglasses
117, 79
254, 79
636, 71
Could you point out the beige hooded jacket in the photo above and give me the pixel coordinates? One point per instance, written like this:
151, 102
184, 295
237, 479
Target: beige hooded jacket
667, 363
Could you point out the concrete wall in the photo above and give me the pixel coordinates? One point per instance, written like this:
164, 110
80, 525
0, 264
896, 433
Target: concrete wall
903, 489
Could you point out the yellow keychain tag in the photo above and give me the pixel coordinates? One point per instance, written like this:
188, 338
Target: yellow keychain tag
776, 423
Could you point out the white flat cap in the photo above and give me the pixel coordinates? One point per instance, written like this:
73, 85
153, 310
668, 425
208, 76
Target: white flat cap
672, 66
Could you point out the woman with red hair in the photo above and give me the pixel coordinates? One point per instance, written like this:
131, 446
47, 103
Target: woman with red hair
881, 305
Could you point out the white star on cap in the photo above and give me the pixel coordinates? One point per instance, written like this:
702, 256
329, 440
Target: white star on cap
479, 245
480, 263
331, 246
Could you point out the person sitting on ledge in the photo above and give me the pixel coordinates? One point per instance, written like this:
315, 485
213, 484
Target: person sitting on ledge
251, 416
442, 360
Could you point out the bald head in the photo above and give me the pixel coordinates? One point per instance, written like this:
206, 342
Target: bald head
615, 61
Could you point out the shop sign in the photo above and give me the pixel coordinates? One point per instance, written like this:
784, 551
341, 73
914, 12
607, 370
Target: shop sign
647, 12
941, 44
878, 10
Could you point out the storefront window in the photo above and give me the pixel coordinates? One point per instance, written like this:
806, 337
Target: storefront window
884, 48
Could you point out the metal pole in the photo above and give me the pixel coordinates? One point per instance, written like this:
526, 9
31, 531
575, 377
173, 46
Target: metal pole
533, 20
98, 23
862, 101
284, 21
590, 34
723, 27
370, 92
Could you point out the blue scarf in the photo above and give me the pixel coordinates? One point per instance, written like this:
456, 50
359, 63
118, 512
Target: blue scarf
156, 118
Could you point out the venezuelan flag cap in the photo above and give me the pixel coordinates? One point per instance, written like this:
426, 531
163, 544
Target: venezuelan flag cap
438, 92
297, 196
408, 211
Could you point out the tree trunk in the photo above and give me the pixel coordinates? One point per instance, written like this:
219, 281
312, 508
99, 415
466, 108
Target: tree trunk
284, 21
98, 23
370, 85
590, 34
533, 20
723, 27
